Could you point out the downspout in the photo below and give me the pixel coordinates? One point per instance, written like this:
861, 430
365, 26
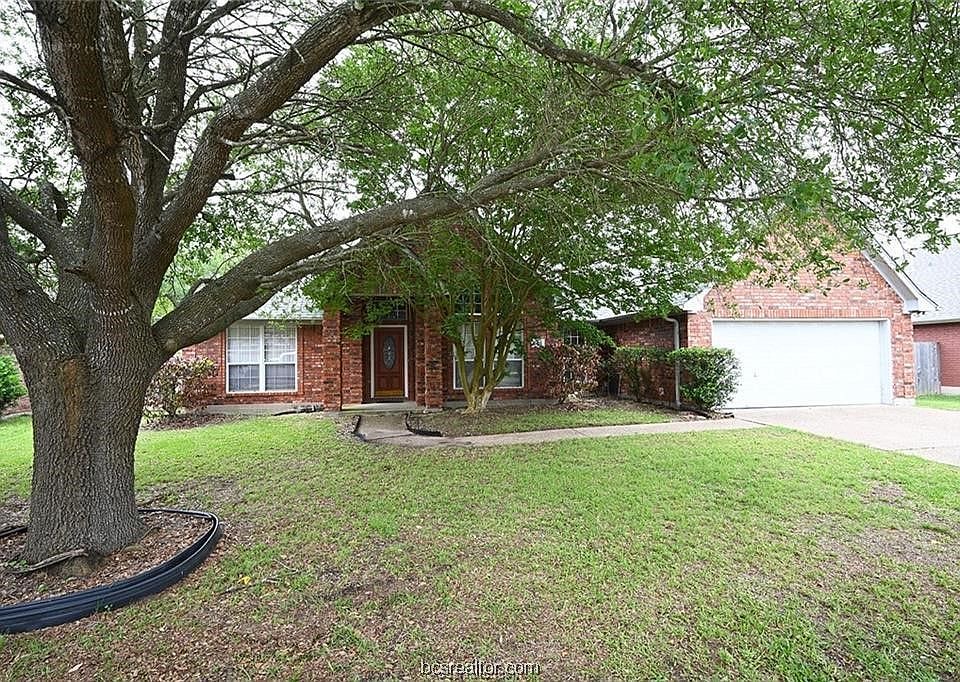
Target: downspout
676, 363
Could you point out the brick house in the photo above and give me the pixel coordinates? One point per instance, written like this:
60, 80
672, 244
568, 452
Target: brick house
938, 274
285, 359
797, 345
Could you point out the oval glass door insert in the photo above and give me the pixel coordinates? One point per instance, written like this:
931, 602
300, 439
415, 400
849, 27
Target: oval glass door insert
389, 352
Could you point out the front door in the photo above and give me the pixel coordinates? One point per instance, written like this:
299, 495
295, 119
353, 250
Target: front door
389, 362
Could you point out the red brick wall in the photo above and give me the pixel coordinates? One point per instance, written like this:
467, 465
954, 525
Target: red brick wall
653, 333
309, 370
948, 336
351, 360
431, 367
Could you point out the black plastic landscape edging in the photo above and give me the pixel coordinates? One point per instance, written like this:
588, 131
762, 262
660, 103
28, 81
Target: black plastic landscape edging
69, 607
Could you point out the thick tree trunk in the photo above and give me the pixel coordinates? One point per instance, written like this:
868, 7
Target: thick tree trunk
86, 416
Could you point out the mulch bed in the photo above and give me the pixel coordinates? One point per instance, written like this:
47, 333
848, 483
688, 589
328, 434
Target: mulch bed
167, 534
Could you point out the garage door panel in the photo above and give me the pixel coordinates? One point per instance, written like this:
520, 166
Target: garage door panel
789, 363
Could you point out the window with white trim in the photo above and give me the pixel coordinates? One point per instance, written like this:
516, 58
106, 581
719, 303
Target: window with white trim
261, 357
512, 378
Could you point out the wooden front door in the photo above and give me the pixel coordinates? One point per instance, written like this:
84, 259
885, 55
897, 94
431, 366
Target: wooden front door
389, 362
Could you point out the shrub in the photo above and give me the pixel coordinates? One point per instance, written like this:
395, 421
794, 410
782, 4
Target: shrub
637, 365
11, 387
708, 376
179, 385
569, 370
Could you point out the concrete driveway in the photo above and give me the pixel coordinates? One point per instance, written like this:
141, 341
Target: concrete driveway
928, 433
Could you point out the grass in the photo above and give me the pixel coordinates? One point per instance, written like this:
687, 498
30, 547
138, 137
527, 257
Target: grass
942, 402
517, 418
740, 554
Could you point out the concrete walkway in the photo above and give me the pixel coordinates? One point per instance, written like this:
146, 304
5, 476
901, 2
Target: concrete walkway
929, 433
392, 429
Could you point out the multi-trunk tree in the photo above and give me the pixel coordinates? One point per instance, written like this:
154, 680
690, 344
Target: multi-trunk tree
287, 134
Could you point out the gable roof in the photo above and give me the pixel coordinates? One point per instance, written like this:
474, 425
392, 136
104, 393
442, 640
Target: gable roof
938, 274
913, 297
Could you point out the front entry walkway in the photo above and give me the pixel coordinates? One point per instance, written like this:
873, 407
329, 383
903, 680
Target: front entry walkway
392, 429
925, 432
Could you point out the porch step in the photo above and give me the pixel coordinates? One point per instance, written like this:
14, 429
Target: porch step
404, 407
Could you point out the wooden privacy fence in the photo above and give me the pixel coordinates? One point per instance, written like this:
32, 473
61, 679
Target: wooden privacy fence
927, 358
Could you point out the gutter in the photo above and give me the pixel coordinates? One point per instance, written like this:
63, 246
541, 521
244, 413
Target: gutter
676, 363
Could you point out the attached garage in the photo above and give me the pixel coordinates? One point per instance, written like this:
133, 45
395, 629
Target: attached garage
806, 341
808, 362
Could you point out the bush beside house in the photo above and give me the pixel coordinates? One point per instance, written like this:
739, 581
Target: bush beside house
11, 386
568, 371
179, 385
708, 376
639, 367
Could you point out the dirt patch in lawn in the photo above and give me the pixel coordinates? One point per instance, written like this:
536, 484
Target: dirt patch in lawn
887, 492
209, 492
515, 418
190, 421
925, 541
166, 535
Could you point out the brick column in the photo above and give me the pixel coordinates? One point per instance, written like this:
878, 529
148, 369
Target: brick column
699, 330
432, 364
351, 369
331, 389
418, 377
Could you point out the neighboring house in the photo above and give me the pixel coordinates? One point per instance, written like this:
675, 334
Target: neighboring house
938, 274
797, 346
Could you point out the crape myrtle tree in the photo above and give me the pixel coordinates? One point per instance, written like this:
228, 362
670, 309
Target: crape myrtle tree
553, 252
140, 131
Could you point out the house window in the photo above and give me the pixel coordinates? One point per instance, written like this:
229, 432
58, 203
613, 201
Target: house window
470, 304
513, 378
573, 337
261, 357
397, 312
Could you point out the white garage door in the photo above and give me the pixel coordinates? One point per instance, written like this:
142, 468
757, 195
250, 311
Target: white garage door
816, 362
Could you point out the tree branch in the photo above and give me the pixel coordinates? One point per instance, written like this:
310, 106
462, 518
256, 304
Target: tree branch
52, 235
30, 322
25, 86
202, 314
337, 29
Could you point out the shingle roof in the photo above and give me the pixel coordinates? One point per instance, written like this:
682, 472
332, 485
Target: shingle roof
289, 304
938, 274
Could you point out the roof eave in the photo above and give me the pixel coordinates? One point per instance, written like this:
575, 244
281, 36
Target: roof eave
919, 321
914, 300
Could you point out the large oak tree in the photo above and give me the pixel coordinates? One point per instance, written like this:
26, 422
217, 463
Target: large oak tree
287, 134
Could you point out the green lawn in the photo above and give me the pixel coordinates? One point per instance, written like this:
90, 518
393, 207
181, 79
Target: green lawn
943, 402
515, 418
742, 554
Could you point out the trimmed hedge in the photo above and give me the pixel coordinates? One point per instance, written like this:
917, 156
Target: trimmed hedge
708, 376
636, 365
